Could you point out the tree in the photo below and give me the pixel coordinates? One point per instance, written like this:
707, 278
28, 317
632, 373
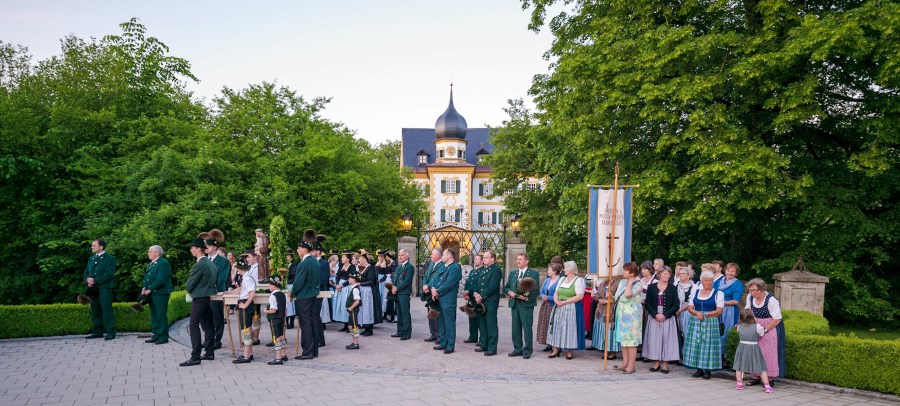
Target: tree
758, 131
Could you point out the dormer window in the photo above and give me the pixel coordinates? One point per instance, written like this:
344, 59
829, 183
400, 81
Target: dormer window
422, 157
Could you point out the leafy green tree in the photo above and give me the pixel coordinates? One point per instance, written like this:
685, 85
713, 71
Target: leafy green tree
759, 131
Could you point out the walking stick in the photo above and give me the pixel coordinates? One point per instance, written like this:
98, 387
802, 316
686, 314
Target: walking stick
298, 327
228, 323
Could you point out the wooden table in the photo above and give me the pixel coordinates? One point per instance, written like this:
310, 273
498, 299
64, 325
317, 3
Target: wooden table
232, 299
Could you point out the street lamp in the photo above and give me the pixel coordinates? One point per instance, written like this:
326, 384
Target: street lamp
407, 222
516, 226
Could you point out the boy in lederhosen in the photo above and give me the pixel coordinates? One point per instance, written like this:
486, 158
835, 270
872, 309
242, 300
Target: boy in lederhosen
246, 310
354, 300
275, 314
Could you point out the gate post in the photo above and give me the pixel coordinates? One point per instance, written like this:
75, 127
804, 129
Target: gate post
514, 247
409, 244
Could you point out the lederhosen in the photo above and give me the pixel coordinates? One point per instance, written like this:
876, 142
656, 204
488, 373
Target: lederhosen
354, 314
277, 319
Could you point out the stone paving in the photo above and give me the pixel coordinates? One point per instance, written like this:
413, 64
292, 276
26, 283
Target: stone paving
74, 371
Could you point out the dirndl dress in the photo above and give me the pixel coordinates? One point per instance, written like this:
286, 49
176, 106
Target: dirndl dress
701, 343
566, 329
367, 309
732, 290
548, 289
383, 290
771, 345
598, 332
748, 357
289, 309
339, 303
629, 312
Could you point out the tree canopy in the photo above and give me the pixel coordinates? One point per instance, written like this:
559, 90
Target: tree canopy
103, 141
759, 132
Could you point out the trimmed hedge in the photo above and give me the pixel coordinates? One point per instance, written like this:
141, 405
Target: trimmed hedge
815, 356
64, 319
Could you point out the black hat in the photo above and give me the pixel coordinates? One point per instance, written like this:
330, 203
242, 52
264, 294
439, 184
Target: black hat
335, 252
198, 242
364, 253
382, 252
317, 245
347, 252
305, 244
272, 281
242, 264
216, 238
353, 273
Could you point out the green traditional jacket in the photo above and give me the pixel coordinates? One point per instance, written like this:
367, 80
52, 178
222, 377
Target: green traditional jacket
471, 284
403, 278
512, 284
488, 284
223, 270
306, 283
158, 277
103, 269
202, 280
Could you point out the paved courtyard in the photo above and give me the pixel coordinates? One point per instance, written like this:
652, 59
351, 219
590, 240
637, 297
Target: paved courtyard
74, 371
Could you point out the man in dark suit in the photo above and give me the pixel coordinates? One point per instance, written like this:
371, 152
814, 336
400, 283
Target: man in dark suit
522, 307
445, 290
304, 292
223, 271
487, 292
403, 281
324, 276
100, 274
158, 287
432, 267
468, 291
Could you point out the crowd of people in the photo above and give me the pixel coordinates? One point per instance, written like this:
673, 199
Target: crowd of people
668, 318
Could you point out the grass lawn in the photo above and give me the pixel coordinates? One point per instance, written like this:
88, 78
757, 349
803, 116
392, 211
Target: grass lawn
862, 332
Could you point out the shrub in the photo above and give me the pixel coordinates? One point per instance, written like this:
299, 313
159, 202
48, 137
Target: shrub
815, 356
63, 319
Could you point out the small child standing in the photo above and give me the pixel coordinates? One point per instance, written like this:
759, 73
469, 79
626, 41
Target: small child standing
748, 357
275, 314
353, 303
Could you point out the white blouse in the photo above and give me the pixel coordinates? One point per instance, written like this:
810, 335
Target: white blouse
720, 297
579, 285
774, 306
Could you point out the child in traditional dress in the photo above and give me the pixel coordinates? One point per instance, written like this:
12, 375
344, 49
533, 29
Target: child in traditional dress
748, 357
354, 300
275, 314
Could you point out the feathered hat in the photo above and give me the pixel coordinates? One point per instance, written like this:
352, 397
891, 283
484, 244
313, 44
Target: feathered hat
309, 238
317, 245
216, 237
527, 285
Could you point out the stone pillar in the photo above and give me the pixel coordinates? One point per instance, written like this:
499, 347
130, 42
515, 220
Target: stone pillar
514, 246
409, 243
800, 289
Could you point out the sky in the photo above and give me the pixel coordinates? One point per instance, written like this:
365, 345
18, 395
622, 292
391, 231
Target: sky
385, 64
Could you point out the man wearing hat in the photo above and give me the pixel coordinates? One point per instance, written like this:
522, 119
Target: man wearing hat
403, 280
223, 271
275, 314
100, 273
304, 292
201, 284
158, 286
433, 266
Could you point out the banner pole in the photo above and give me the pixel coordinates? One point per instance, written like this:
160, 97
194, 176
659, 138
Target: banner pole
612, 236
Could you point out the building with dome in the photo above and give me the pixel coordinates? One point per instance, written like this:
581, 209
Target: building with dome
447, 165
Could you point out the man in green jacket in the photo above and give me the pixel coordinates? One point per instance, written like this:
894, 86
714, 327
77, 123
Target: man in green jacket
468, 291
304, 292
433, 266
403, 279
100, 273
158, 287
201, 284
487, 292
522, 306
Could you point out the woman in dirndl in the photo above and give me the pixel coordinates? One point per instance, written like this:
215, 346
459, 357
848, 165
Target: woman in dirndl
603, 294
290, 311
732, 289
339, 309
701, 343
685, 286
548, 289
661, 333
385, 267
768, 315
567, 322
370, 311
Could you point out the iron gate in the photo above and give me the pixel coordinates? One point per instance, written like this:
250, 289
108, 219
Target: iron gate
465, 240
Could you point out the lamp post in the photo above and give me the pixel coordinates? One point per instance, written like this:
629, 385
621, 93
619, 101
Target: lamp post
407, 222
516, 225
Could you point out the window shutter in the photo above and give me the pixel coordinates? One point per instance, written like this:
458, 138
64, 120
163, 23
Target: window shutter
480, 217
443, 186
443, 215
481, 189
457, 187
427, 190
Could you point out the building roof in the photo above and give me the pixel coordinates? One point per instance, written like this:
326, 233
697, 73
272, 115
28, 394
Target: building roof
416, 139
451, 124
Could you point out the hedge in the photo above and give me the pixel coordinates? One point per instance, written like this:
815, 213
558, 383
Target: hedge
815, 356
64, 319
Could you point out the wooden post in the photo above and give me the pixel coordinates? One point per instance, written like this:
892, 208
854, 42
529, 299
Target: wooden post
612, 237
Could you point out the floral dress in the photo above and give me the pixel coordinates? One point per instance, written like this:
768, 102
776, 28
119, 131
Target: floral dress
629, 315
